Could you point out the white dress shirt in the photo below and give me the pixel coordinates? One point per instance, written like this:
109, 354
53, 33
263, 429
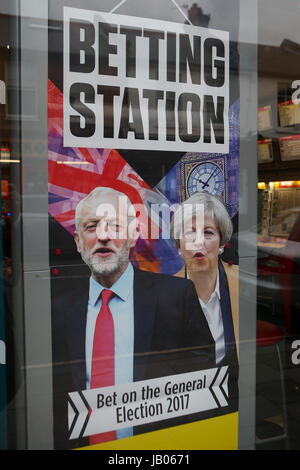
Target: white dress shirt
213, 314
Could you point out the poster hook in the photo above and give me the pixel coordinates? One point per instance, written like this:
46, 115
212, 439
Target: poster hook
177, 6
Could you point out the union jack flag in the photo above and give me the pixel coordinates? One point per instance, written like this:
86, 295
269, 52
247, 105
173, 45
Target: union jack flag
75, 172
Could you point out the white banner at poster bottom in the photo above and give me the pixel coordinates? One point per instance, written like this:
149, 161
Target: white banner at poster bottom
112, 408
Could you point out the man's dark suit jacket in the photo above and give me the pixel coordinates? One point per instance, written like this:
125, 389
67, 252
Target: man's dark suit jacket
171, 336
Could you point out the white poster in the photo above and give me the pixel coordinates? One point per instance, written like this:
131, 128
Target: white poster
100, 410
129, 85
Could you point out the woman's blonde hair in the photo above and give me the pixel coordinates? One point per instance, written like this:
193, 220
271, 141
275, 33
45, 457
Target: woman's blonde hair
212, 205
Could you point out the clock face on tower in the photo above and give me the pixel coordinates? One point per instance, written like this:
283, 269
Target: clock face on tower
206, 176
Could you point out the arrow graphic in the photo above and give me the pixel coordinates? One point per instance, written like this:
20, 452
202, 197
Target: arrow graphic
78, 414
219, 387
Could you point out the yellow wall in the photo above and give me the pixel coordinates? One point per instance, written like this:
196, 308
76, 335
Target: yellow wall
219, 433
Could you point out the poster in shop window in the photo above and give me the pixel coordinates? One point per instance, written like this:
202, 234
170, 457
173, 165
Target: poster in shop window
143, 114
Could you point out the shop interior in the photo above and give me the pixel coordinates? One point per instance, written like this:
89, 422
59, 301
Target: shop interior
278, 238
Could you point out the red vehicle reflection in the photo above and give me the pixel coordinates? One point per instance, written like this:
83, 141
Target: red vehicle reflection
283, 265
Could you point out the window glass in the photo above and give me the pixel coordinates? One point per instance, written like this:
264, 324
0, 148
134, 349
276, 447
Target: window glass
277, 414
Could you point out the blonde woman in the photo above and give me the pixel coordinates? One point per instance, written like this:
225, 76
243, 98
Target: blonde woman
200, 229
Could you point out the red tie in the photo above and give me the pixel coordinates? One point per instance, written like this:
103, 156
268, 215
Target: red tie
103, 359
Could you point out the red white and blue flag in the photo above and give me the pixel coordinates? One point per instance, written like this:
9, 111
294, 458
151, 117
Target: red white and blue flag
75, 172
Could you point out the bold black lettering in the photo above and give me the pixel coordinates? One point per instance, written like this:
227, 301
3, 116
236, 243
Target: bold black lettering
214, 66
131, 35
154, 37
171, 57
184, 134
100, 400
153, 96
170, 115
105, 49
79, 44
216, 118
75, 101
131, 102
192, 58
108, 92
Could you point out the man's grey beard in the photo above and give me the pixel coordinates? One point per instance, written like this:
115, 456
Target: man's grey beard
106, 268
